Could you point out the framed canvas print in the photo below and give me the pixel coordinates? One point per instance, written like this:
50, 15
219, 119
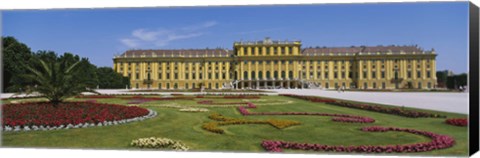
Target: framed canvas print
352, 79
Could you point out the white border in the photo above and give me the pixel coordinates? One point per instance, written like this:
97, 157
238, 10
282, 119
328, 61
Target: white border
81, 153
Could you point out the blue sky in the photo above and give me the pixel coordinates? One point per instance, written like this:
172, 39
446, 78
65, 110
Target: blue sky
100, 33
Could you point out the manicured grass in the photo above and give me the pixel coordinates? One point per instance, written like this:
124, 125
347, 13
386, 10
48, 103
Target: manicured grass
186, 127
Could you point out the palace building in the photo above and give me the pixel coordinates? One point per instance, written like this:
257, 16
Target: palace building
271, 64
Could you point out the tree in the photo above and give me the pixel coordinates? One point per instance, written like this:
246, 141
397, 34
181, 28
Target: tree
54, 80
455, 81
108, 78
442, 78
14, 54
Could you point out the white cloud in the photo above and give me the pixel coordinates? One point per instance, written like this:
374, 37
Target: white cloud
162, 37
200, 26
129, 42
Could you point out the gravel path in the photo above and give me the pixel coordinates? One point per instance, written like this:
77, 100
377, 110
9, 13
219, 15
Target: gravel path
441, 101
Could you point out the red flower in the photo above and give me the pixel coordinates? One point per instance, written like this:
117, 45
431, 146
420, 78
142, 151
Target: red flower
438, 142
44, 113
457, 121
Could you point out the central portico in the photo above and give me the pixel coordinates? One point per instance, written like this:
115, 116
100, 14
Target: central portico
267, 64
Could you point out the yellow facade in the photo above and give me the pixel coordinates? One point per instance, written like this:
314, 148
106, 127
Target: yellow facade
280, 64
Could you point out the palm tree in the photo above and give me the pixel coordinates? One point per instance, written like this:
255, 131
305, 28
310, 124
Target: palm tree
55, 81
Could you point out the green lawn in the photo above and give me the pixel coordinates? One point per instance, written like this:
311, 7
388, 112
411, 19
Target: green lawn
186, 127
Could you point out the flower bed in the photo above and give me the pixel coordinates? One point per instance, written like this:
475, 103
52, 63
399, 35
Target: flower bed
336, 117
141, 99
395, 111
457, 121
45, 116
214, 126
241, 97
91, 101
376, 108
210, 102
438, 142
95, 96
159, 143
310, 98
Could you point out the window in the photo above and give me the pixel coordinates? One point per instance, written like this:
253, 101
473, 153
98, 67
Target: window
186, 75
428, 75
159, 85
216, 76
159, 76
374, 85
364, 74
335, 75
137, 76
168, 76
419, 74
383, 74
409, 74
176, 76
